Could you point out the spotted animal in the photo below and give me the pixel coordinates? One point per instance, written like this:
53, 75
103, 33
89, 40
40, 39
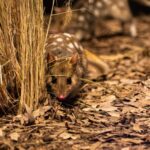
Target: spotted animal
66, 65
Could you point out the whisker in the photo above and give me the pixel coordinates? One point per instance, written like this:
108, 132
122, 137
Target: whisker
89, 81
59, 61
73, 10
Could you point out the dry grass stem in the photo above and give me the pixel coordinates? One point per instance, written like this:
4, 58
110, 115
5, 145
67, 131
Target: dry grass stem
21, 52
68, 15
31, 52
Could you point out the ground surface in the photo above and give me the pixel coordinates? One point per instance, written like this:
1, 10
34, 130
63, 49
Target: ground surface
112, 112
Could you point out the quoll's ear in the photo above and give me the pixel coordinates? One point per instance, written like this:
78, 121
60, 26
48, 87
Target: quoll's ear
74, 59
50, 58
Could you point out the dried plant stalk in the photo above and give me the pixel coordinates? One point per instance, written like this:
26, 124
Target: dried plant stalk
32, 52
21, 52
10, 68
68, 15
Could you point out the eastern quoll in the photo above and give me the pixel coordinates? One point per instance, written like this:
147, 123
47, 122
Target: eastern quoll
67, 65
99, 14
100, 18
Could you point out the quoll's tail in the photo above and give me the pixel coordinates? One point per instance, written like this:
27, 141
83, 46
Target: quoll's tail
96, 66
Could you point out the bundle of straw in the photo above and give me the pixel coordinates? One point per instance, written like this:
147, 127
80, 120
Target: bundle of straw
21, 52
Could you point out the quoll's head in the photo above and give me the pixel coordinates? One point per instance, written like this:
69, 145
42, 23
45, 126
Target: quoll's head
61, 76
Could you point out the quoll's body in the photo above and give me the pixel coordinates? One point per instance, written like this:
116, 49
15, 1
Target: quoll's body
98, 13
66, 65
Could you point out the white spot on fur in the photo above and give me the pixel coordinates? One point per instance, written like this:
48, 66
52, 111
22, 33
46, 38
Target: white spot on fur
79, 35
70, 45
107, 2
91, 1
70, 50
99, 4
81, 18
121, 4
54, 43
97, 12
54, 35
133, 30
59, 39
67, 38
67, 34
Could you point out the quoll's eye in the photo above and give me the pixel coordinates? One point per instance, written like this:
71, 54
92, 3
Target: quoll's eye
69, 81
54, 80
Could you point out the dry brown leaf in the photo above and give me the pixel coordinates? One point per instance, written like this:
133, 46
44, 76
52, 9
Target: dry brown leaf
93, 119
41, 111
92, 108
95, 146
66, 135
137, 128
129, 109
131, 140
2, 134
126, 148
28, 110
114, 114
108, 108
14, 136
128, 81
85, 130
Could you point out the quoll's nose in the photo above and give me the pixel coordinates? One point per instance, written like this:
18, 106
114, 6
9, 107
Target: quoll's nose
61, 97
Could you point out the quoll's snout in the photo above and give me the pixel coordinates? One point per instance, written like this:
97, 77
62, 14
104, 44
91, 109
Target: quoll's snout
61, 97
